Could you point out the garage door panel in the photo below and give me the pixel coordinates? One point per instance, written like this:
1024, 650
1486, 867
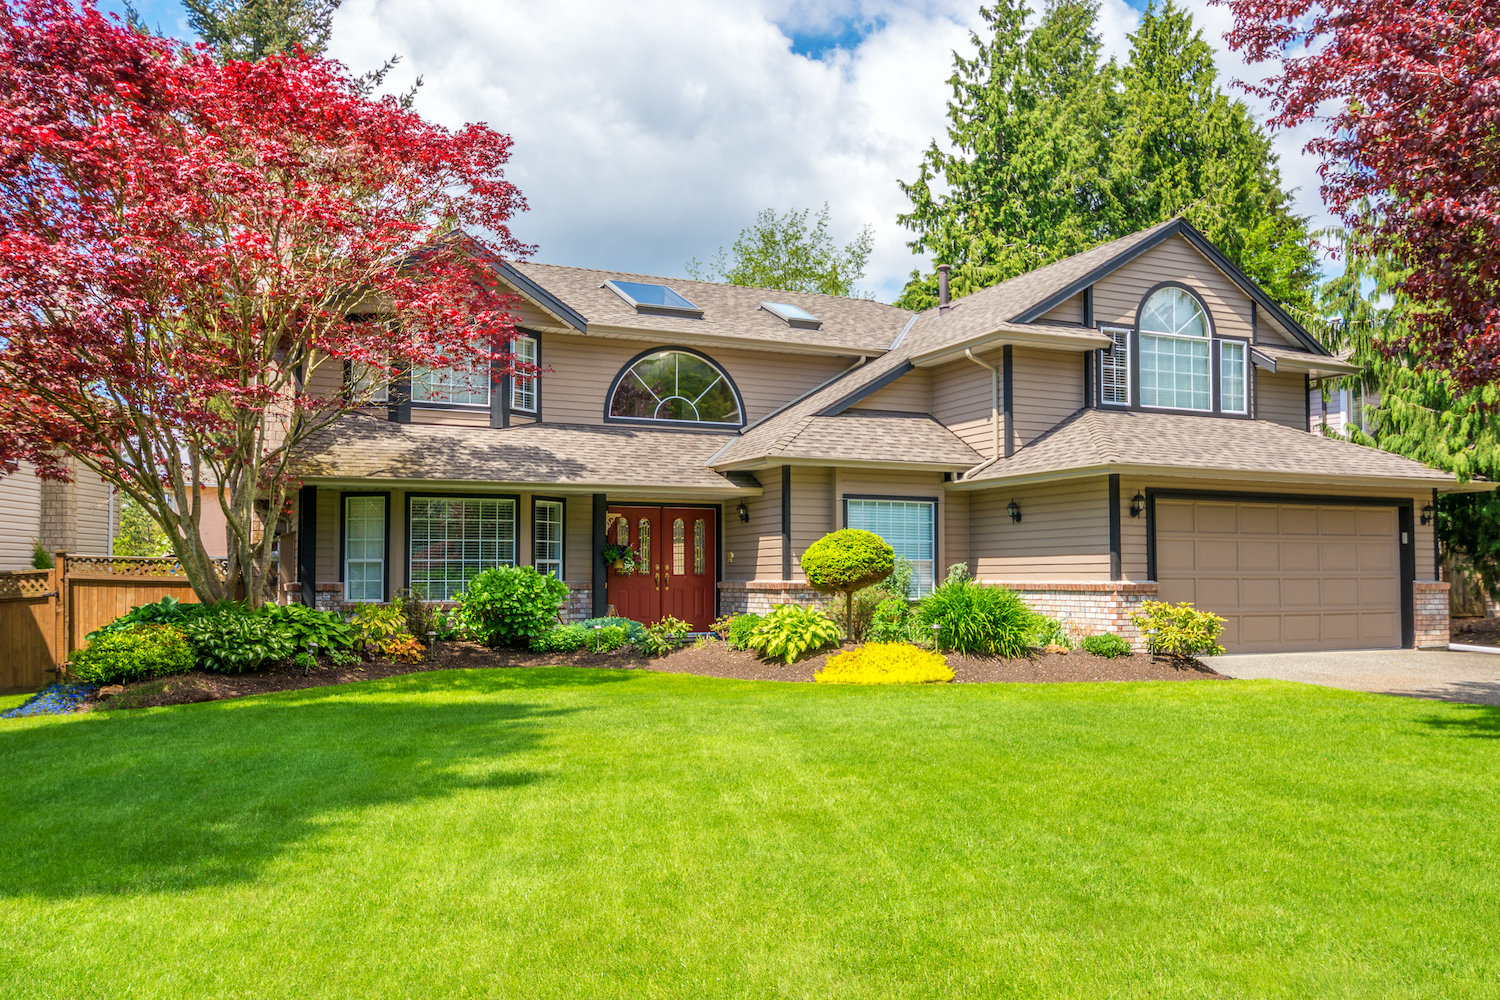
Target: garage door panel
1285, 576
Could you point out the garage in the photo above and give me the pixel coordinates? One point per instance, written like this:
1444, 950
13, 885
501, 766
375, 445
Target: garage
1285, 576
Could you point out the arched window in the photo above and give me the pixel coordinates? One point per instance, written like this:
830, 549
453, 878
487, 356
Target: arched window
1175, 334
677, 386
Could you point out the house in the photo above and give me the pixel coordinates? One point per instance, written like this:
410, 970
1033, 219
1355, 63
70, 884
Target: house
77, 516
1335, 410
1131, 423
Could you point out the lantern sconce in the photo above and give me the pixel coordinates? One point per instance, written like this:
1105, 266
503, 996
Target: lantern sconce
1014, 510
1137, 504
743, 511
1427, 513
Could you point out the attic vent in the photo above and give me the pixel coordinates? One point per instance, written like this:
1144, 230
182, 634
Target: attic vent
653, 299
794, 316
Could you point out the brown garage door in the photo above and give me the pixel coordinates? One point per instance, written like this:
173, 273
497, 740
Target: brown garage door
1284, 576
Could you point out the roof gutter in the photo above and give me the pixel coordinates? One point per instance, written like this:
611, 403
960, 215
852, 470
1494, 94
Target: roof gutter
994, 402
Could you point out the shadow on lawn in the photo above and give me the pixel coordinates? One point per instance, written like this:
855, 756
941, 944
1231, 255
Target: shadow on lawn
208, 794
1477, 721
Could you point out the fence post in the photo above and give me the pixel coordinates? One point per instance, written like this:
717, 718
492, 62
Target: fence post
60, 618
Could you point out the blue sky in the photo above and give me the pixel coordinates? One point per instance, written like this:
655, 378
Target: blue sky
651, 132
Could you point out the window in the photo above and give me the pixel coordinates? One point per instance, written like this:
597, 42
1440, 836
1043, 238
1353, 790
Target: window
679, 548
368, 383
793, 316
643, 547
364, 548
1232, 376
675, 386
523, 387
453, 538
547, 537
700, 538
1174, 345
646, 297
908, 526
464, 385
1114, 369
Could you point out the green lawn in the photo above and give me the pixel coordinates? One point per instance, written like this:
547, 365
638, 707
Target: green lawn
574, 833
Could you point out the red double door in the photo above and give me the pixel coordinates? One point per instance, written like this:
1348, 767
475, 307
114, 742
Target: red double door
677, 561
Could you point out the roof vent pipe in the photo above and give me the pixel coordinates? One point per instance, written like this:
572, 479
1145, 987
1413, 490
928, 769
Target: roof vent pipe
943, 305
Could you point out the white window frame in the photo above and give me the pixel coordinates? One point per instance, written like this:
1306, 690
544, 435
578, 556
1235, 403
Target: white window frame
361, 375
1121, 336
1244, 348
384, 523
922, 581
1208, 339
523, 387
468, 567
449, 381
549, 560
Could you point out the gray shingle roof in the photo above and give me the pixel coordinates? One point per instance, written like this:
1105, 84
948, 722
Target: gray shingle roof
1103, 439
878, 436
369, 447
859, 326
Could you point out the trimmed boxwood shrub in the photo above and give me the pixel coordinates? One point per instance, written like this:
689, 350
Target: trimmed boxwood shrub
511, 605
133, 653
1107, 645
845, 561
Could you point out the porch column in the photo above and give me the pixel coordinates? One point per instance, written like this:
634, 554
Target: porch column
601, 571
307, 542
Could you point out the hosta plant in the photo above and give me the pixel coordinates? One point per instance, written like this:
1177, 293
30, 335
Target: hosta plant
791, 631
885, 663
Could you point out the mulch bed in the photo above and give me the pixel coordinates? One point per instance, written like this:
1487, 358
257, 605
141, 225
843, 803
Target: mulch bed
714, 659
1476, 631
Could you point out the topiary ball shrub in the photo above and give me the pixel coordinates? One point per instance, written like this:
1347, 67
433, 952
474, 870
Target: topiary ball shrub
511, 605
132, 654
974, 618
1107, 645
885, 663
845, 561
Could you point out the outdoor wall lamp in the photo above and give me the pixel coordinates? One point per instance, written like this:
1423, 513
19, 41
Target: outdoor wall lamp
1137, 504
1014, 510
743, 512
1427, 513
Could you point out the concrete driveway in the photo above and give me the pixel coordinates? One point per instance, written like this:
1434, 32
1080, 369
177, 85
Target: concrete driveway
1417, 673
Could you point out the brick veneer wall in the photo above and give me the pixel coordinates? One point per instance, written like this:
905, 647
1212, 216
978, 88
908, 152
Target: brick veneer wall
580, 603
1087, 608
760, 596
1431, 619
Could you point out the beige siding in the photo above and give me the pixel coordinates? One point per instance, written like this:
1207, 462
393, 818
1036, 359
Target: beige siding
1281, 398
326, 377
578, 539
449, 418
911, 393
962, 397
1063, 534
812, 512
1133, 530
575, 388
1048, 387
954, 543
752, 550
327, 556
1070, 311
92, 512
20, 517
1117, 296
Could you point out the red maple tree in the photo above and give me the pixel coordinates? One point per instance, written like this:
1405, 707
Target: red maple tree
190, 249
1410, 94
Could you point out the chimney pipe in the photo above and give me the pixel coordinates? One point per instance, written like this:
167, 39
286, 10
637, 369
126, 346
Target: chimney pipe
943, 305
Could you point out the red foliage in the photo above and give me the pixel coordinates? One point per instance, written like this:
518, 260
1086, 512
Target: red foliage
176, 235
1410, 93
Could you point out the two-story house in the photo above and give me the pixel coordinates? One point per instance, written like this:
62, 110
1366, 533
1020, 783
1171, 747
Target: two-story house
1127, 424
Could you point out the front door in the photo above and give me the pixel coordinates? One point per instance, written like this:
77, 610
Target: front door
676, 570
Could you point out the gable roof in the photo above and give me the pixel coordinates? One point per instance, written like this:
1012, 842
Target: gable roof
730, 312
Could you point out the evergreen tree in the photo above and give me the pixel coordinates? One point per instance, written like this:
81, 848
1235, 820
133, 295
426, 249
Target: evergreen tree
253, 29
139, 534
785, 252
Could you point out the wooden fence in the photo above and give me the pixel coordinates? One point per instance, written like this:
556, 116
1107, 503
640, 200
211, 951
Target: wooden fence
45, 613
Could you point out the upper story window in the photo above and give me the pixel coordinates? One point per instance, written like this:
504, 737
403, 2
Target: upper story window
523, 387
1175, 361
675, 386
461, 385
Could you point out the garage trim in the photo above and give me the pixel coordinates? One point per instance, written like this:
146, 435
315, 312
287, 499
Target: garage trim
1404, 525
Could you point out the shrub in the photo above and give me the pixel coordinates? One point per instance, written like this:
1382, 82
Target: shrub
40, 557
167, 611
421, 615
608, 638
735, 629
898, 584
563, 639
381, 627
634, 631
404, 649
1051, 632
790, 631
509, 605
234, 640
885, 663
133, 653
891, 621
1178, 630
663, 637
855, 616
1107, 645
973, 618
846, 561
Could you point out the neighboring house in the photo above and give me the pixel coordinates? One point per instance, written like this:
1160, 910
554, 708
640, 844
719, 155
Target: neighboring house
77, 517
1337, 409
1127, 424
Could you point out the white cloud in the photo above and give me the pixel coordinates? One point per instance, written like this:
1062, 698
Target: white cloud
650, 132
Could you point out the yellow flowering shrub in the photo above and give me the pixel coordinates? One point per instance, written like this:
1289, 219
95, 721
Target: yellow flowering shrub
885, 663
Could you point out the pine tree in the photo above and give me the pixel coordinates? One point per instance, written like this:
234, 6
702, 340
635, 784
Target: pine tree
253, 29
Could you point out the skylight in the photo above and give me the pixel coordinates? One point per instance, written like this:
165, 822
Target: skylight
649, 298
793, 315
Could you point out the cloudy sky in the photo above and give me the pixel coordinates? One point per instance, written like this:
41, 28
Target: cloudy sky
652, 131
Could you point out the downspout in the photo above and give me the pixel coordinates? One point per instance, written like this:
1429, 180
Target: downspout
994, 401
